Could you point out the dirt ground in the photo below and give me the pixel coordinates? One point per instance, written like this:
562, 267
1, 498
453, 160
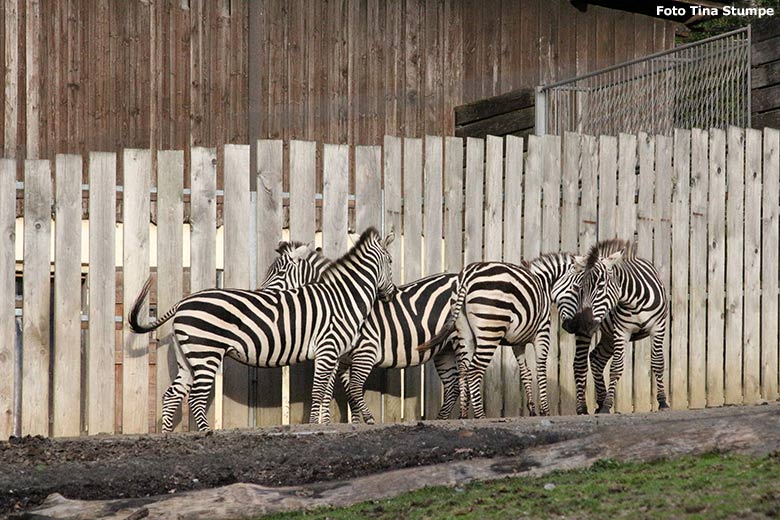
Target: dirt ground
114, 467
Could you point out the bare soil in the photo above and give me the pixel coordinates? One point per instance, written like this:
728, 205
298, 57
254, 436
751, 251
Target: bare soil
128, 467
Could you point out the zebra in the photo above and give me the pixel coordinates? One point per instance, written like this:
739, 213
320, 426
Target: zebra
389, 338
272, 328
505, 304
623, 296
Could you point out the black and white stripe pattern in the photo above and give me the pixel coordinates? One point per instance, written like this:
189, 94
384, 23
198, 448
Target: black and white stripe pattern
622, 296
272, 328
296, 265
390, 336
495, 304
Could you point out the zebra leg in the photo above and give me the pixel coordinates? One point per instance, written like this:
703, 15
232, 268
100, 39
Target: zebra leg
542, 348
526, 378
201, 388
173, 396
325, 363
615, 371
581, 372
447, 368
463, 369
328, 396
657, 364
598, 360
476, 373
362, 364
344, 374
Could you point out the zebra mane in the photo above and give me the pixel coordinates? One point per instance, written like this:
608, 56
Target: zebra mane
607, 247
288, 246
369, 234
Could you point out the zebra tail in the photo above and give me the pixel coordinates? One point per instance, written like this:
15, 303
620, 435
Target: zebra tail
449, 325
132, 318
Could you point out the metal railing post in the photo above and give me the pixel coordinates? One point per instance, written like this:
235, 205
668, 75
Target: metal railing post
540, 112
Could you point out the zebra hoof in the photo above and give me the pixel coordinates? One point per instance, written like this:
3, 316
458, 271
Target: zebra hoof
582, 411
663, 405
370, 420
208, 433
603, 409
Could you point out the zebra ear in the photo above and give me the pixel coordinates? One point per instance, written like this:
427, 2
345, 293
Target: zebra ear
389, 239
300, 252
282, 247
615, 259
580, 262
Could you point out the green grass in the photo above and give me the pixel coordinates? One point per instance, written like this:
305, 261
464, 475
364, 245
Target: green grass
709, 486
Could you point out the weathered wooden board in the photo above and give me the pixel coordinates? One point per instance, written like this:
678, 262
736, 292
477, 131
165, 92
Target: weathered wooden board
643, 385
335, 232
203, 240
235, 400
432, 232
663, 228
697, 321
770, 241
716, 263
678, 326
755, 369
368, 212
532, 224
735, 221
494, 192
412, 180
136, 165
475, 172
268, 398
102, 294
170, 258
303, 182
8, 356
392, 404
513, 251
66, 391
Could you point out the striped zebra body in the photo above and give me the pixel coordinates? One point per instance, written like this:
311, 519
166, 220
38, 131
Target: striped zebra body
623, 297
296, 265
496, 304
390, 336
271, 328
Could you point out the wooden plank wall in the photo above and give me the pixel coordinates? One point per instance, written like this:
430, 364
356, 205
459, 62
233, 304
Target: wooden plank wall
717, 351
765, 73
96, 75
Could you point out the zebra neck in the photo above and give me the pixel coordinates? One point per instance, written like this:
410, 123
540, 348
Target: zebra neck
550, 268
357, 278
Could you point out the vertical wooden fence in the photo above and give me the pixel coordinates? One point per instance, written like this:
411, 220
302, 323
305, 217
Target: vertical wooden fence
703, 205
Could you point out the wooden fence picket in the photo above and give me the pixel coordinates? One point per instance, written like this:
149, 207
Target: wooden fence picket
662, 229
392, 404
170, 256
102, 296
770, 241
235, 400
625, 226
753, 364
643, 397
569, 244
37, 279
513, 250
678, 326
697, 321
532, 224
136, 166
475, 171
8, 357
66, 389
716, 264
368, 212
203, 240
268, 392
432, 231
303, 225
335, 232
551, 231
494, 188
412, 218
735, 221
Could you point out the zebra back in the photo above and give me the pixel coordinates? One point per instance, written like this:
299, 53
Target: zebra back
298, 264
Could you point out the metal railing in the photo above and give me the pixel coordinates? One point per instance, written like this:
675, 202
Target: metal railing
705, 84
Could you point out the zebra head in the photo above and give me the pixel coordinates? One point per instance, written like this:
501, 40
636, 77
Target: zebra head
297, 264
566, 291
598, 294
